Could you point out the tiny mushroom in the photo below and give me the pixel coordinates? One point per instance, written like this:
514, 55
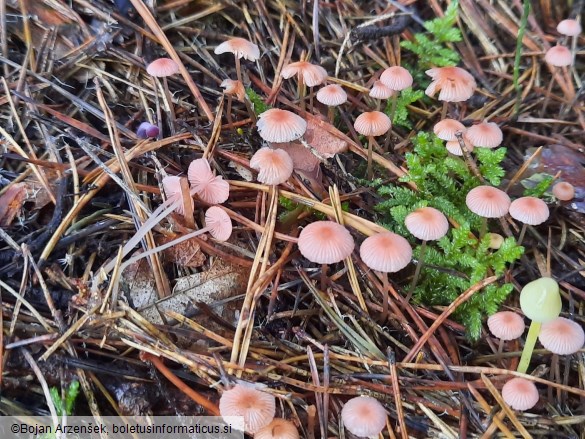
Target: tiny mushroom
529, 211
372, 124
162, 67
485, 135
454, 84
454, 147
506, 325
385, 253
396, 78
520, 394
380, 91
146, 130
332, 96
569, 27
233, 88
364, 416
274, 166
540, 301
308, 75
280, 126
496, 240
211, 189
426, 224
487, 202
172, 188
445, 129
278, 429
564, 191
241, 48
562, 336
256, 407
325, 242
559, 56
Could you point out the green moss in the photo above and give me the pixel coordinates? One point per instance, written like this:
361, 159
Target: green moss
459, 260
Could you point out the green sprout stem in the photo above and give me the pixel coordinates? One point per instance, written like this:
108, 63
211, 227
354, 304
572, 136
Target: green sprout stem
529, 346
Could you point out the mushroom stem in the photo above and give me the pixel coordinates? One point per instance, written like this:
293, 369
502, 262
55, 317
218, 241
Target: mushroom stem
229, 111
331, 114
522, 233
444, 110
370, 172
385, 296
483, 229
533, 332
421, 261
324, 268
394, 99
238, 69
169, 102
302, 89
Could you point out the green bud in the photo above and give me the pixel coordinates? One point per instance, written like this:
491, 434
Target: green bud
540, 300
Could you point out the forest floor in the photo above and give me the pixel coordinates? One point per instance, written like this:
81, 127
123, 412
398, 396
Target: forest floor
169, 333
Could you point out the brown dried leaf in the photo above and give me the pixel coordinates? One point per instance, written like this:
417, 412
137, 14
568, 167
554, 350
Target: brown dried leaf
11, 202
186, 253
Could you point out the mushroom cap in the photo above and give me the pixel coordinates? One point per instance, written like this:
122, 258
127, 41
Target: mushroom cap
454, 147
325, 242
172, 188
564, 191
372, 123
540, 300
219, 223
520, 394
496, 241
278, 429
529, 210
506, 325
386, 252
162, 67
211, 189
364, 416
569, 27
256, 407
397, 78
485, 135
445, 129
274, 166
233, 88
381, 91
562, 336
488, 202
240, 47
311, 74
558, 56
332, 95
280, 126
454, 83
427, 223
146, 130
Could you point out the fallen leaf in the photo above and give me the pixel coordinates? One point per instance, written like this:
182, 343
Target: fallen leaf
11, 202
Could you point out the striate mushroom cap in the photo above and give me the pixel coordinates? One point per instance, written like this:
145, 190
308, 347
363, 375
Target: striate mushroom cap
240, 47
506, 325
427, 224
280, 126
325, 242
372, 123
454, 84
162, 67
488, 202
364, 416
256, 407
520, 394
397, 78
274, 166
332, 95
558, 56
386, 252
562, 336
311, 74
529, 210
485, 135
